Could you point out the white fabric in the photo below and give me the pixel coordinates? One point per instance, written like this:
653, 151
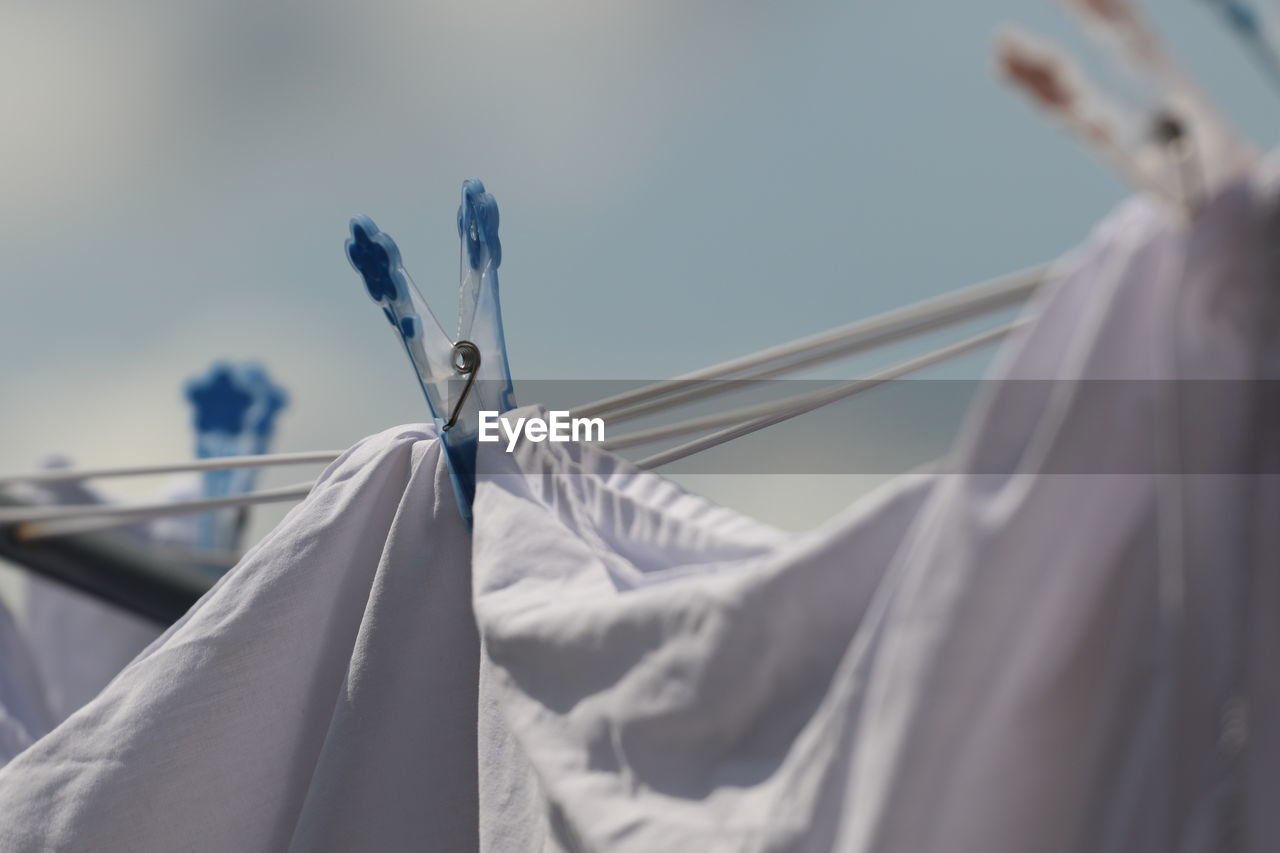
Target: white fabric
655, 655
1055, 647
1049, 649
1060, 657
321, 697
24, 714
79, 642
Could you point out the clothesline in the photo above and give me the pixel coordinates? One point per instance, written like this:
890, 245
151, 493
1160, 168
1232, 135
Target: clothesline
37, 523
220, 463
889, 327
750, 419
33, 523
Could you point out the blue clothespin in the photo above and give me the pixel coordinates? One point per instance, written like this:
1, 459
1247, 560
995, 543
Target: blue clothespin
1245, 21
221, 404
462, 374
269, 399
235, 413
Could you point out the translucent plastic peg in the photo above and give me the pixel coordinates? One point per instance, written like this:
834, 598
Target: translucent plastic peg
460, 374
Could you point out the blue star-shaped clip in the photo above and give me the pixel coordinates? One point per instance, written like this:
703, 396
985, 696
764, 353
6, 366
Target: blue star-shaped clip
220, 401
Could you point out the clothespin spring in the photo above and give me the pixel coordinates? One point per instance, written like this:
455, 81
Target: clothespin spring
466, 360
1171, 134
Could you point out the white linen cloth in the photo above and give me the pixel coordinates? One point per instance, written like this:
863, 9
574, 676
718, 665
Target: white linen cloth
79, 642
1060, 645
321, 697
24, 713
659, 660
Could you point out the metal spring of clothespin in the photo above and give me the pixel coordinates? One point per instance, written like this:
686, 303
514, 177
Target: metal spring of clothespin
1170, 133
466, 359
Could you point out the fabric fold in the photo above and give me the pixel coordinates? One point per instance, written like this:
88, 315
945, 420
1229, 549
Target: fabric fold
321, 697
1053, 645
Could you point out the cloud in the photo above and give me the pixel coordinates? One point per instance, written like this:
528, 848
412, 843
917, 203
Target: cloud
84, 100
98, 95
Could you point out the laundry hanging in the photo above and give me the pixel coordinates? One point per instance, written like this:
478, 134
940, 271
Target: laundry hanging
321, 697
80, 643
1053, 646
651, 655
24, 713
1056, 643
1050, 645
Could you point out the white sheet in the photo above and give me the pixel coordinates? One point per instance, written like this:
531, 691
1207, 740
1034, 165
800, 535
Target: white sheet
24, 713
1055, 647
321, 697
1060, 645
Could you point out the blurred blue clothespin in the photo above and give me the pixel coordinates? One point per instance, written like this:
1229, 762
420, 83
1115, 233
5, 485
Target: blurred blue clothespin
461, 374
221, 404
269, 400
1174, 143
1246, 22
235, 409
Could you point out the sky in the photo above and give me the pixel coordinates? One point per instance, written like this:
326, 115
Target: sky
681, 181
